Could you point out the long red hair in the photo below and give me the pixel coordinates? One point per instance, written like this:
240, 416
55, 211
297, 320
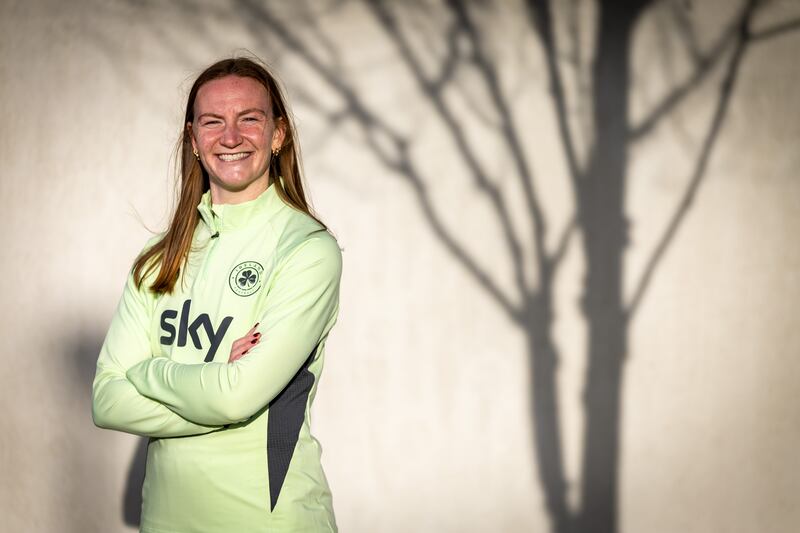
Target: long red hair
171, 251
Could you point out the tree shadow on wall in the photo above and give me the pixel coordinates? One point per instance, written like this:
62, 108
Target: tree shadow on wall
596, 154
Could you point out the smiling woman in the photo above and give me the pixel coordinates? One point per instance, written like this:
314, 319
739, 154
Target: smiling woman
224, 401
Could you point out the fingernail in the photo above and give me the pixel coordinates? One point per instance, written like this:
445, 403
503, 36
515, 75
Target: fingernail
257, 334
253, 341
257, 323
244, 352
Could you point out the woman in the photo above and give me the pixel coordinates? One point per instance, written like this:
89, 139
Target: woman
217, 344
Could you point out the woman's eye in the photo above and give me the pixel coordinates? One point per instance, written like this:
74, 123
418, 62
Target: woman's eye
250, 119
211, 123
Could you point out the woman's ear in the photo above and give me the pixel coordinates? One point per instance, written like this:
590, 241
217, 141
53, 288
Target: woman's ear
191, 135
279, 134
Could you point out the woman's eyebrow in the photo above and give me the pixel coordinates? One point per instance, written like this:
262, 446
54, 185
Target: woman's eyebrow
246, 111
253, 110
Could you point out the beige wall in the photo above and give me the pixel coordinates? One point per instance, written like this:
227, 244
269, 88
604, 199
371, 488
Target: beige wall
423, 410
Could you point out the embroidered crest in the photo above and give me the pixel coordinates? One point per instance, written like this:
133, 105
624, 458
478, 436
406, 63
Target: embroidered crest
245, 278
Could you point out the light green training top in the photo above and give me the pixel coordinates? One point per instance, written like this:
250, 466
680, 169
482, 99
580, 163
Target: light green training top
231, 448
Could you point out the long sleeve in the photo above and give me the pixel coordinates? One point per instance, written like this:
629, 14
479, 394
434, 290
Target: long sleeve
116, 404
300, 308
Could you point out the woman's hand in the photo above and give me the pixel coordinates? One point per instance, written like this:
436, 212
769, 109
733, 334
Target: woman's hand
241, 346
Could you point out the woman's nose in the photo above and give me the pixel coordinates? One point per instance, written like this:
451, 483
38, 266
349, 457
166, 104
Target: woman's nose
231, 136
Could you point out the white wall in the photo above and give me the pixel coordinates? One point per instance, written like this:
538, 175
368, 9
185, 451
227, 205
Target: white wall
423, 410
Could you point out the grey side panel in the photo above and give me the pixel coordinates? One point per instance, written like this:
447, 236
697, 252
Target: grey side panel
286, 414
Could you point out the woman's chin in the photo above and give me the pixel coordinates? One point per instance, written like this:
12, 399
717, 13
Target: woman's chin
228, 185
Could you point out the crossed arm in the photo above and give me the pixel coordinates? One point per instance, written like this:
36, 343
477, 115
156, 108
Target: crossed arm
116, 404
301, 307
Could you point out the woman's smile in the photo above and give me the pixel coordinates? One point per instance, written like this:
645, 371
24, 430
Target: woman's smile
234, 157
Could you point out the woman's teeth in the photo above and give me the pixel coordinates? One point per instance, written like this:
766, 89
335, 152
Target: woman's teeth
233, 157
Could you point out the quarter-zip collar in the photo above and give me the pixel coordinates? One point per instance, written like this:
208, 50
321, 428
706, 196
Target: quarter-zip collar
224, 217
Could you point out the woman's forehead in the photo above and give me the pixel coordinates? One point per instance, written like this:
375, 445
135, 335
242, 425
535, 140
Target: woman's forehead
231, 94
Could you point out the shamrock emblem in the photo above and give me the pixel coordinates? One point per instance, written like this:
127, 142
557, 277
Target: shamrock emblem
247, 279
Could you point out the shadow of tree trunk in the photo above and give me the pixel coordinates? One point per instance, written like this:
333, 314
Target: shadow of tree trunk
601, 218
600, 193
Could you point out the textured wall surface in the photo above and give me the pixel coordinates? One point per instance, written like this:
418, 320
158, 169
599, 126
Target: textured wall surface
571, 267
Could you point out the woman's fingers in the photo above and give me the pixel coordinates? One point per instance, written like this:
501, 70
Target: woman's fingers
242, 346
239, 352
247, 338
242, 343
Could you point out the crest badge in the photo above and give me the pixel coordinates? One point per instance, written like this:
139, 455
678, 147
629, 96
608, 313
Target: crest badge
245, 278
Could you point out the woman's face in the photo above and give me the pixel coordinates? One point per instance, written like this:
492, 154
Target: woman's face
234, 132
